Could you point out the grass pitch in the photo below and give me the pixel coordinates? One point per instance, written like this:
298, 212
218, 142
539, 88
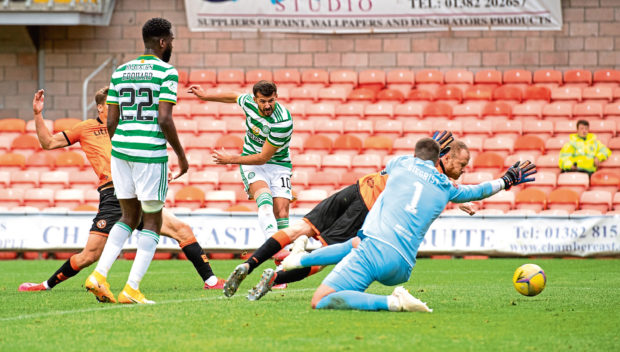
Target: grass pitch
475, 308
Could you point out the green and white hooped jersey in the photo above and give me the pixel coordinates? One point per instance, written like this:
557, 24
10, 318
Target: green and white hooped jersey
137, 87
275, 130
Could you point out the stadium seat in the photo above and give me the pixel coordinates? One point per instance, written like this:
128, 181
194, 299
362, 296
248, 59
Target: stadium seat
65, 124
287, 77
605, 180
597, 94
491, 78
596, 200
358, 128
298, 109
474, 143
208, 127
24, 179
612, 163
366, 163
546, 181
476, 127
54, 179
413, 127
401, 80
205, 110
548, 162
455, 126
449, 94
507, 128
69, 159
5, 141
68, 198
566, 93
253, 76
42, 160
563, 199
207, 180
39, 197
186, 126
554, 144
354, 110
428, 80
392, 128
379, 111
503, 201
321, 111
588, 110
475, 93
508, 94
25, 143
467, 110
530, 143
443, 110
12, 197
518, 78
84, 179
300, 178
420, 95
328, 127
497, 110
527, 111
318, 144
307, 161
488, 162
500, 145
606, 78
5, 179
343, 78
189, 196
372, 79
539, 128
557, 110
327, 180
474, 178
577, 78
12, 161
31, 127
304, 93
336, 162
548, 78
315, 77
390, 95
362, 94
333, 94
230, 77
565, 127
459, 78
229, 142
8, 125
408, 110
531, 198
207, 78
377, 145
577, 181
303, 128
537, 93
310, 198
221, 199
183, 78
404, 144
183, 110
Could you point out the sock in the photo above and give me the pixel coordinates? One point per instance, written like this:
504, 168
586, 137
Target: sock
285, 277
66, 271
195, 254
119, 233
282, 223
272, 246
211, 280
147, 243
327, 255
353, 300
266, 219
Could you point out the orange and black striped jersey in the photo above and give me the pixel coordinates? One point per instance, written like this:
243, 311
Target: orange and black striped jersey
93, 137
371, 186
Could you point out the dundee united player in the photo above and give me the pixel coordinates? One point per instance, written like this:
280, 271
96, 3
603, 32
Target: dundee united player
265, 162
140, 100
93, 138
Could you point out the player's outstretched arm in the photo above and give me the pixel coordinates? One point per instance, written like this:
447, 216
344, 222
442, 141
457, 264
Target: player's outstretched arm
227, 97
170, 132
219, 157
46, 139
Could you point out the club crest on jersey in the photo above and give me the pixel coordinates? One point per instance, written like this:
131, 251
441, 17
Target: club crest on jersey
266, 129
101, 224
251, 175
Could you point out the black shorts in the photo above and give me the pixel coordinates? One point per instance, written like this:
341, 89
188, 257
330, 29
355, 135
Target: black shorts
108, 214
339, 217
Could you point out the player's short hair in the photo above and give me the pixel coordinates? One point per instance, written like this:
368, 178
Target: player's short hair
427, 149
101, 95
583, 122
156, 28
266, 88
456, 146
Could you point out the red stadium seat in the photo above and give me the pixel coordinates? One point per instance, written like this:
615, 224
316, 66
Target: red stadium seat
455, 126
577, 181
332, 94
530, 143
12, 125
599, 94
183, 78
206, 180
565, 127
540, 128
561, 110
31, 128
253, 76
554, 144
500, 145
287, 77
428, 79
566, 93
13, 161
231, 77
527, 111
378, 145
578, 78
459, 78
469, 109
449, 94
318, 144
408, 110
596, 200
522, 78
327, 180
606, 78
362, 94
616, 201
497, 110
437, 110
329, 127
474, 178
12, 197
70, 159
531, 198
548, 162
321, 111
488, 77
391, 128
563, 199
39, 197
401, 80
544, 180
5, 179
372, 79
509, 94
54, 179
344, 78
366, 163
303, 128
317, 77
85, 179
479, 93
537, 93
391, 95
307, 161
507, 128
605, 180
379, 111
307, 93
588, 110
229, 142
548, 78
211, 110
68, 198
190, 197
25, 142
221, 199
404, 144
473, 142
503, 201
413, 127
310, 198
203, 77
354, 110
488, 161
358, 128
336, 162
24, 179
42, 161
476, 127
420, 95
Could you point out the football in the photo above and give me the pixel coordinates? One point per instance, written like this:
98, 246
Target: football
529, 279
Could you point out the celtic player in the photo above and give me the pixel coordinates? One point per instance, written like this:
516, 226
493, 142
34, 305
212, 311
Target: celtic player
140, 99
265, 162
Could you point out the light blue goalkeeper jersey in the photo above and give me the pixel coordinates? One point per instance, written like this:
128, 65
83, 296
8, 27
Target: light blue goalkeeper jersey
414, 196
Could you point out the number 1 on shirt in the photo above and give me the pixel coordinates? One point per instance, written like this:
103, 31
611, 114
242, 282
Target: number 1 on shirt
412, 207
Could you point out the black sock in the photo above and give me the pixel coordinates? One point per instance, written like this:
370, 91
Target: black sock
264, 252
284, 277
197, 256
64, 272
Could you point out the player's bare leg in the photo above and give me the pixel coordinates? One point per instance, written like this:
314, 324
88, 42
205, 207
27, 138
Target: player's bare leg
174, 228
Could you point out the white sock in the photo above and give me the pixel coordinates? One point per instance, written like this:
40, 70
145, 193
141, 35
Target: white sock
147, 243
119, 233
211, 281
267, 220
47, 287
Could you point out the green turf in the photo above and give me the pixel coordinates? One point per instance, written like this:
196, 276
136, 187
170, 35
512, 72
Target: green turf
475, 308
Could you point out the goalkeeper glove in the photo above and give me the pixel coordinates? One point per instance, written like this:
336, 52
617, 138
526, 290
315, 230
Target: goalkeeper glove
518, 174
444, 139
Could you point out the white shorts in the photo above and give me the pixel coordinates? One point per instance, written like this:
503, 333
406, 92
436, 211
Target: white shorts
277, 177
145, 181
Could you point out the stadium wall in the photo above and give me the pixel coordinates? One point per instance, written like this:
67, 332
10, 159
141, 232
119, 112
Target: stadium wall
590, 39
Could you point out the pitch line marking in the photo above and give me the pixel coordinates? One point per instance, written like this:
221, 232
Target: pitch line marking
126, 306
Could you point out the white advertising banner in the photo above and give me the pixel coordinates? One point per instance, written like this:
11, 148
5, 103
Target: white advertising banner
368, 16
505, 236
